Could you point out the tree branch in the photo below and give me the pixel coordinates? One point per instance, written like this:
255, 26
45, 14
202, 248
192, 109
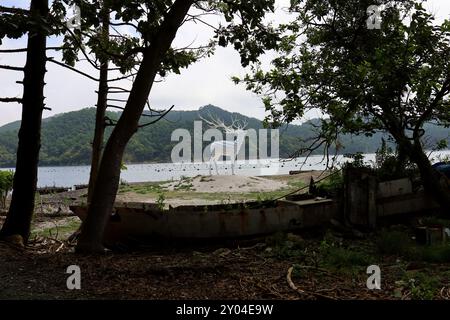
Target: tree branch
428, 112
117, 100
18, 100
25, 49
11, 68
72, 69
119, 89
156, 120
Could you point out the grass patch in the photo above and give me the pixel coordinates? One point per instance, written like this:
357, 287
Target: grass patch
143, 188
59, 232
344, 258
394, 243
332, 185
400, 243
183, 190
422, 285
434, 253
296, 184
333, 254
282, 245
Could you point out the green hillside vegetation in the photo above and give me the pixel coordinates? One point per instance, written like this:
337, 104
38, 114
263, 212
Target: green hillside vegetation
67, 137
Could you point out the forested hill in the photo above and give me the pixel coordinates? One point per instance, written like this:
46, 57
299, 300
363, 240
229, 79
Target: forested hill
66, 138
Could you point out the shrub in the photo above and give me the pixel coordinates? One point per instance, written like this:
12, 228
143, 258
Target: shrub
333, 254
394, 242
434, 254
399, 243
6, 185
160, 202
421, 285
332, 185
390, 165
344, 258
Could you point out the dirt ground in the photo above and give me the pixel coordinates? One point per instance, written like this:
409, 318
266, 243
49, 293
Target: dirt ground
251, 271
203, 190
328, 263
216, 184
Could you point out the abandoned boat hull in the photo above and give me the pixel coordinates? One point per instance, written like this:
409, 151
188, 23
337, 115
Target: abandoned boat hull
143, 220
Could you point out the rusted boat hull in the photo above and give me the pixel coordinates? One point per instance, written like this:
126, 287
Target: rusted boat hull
142, 220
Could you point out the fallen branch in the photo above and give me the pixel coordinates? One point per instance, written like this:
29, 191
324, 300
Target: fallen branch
60, 247
301, 291
291, 283
445, 293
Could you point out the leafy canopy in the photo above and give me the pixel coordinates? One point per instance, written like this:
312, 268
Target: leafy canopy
393, 79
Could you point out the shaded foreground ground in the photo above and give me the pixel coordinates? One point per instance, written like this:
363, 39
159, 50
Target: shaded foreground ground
330, 268
329, 263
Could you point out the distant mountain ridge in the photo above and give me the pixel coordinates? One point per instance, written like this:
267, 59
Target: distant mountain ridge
66, 137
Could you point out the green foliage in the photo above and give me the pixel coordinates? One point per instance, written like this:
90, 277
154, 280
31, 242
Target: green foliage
392, 80
333, 185
283, 245
399, 243
160, 202
6, 185
333, 254
423, 286
358, 160
435, 254
185, 184
147, 188
58, 231
263, 198
441, 145
394, 242
343, 258
391, 165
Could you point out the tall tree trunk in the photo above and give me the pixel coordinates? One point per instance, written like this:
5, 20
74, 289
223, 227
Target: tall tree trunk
102, 102
18, 221
429, 176
106, 186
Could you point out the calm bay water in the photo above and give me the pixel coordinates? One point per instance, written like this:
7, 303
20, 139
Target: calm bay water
74, 175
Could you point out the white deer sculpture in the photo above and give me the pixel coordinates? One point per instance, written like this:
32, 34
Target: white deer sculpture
226, 148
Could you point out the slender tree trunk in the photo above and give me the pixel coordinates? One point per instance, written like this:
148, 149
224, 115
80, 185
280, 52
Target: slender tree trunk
102, 101
18, 221
430, 178
106, 186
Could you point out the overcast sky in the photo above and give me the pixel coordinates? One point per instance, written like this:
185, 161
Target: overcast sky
205, 82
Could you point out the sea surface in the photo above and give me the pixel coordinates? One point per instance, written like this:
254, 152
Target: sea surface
68, 176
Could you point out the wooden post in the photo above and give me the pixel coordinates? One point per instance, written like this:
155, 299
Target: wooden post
360, 187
